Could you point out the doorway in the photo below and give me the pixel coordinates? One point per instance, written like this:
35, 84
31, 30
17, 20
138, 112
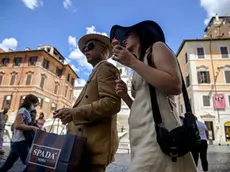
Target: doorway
227, 131
210, 127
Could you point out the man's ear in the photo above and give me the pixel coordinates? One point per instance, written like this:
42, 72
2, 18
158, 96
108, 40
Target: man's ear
105, 52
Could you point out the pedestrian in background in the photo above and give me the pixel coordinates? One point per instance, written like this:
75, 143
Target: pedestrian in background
202, 147
33, 115
41, 121
3, 119
19, 147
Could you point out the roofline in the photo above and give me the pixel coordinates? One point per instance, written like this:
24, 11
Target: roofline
206, 28
72, 70
26, 51
199, 40
59, 52
53, 48
8, 52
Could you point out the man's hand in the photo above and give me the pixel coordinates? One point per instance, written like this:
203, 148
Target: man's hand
65, 115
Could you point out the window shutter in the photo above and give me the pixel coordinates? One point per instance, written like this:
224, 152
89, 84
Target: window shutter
199, 77
207, 77
12, 79
28, 79
227, 76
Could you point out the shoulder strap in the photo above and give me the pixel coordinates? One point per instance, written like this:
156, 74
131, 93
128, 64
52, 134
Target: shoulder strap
155, 107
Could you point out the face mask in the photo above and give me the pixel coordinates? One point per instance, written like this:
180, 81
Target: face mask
32, 107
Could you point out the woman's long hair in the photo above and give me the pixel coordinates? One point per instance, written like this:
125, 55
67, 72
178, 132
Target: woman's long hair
28, 101
146, 39
42, 115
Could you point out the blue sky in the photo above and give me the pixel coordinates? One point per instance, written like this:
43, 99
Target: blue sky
61, 23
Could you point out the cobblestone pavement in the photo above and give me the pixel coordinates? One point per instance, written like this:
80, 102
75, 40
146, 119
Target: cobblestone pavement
218, 156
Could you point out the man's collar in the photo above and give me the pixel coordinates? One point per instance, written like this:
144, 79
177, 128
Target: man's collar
99, 64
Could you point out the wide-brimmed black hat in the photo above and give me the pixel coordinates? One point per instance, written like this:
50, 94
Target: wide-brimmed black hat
148, 29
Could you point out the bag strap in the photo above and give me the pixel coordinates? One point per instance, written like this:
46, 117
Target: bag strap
153, 95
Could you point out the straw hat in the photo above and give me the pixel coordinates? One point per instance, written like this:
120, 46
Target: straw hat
82, 42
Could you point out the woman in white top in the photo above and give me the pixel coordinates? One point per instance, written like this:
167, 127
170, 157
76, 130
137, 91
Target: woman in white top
19, 145
146, 41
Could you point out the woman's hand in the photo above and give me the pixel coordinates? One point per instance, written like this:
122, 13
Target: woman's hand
123, 56
122, 91
121, 88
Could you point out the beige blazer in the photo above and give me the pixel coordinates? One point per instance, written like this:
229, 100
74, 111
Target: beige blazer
96, 114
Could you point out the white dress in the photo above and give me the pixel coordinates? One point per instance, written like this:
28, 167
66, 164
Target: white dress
146, 155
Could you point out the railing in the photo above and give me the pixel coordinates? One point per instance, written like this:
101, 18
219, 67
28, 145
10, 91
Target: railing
124, 147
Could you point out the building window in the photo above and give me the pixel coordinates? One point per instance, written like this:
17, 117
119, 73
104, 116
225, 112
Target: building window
224, 52
187, 81
68, 77
186, 58
42, 81
1, 78
55, 53
58, 72
200, 53
66, 89
72, 81
28, 79
32, 60
203, 77
206, 101
53, 107
7, 102
5, 61
45, 64
70, 95
227, 76
17, 61
12, 80
56, 89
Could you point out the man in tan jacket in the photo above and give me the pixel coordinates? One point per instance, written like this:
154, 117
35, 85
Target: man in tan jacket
94, 113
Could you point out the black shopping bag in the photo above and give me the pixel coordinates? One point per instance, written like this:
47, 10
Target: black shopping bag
52, 152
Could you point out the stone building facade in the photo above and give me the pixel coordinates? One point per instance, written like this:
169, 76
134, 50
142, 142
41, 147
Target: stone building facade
41, 72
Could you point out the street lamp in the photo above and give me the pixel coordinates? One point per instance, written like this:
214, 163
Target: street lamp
215, 76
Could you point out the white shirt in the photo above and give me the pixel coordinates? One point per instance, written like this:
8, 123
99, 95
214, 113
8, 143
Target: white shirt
18, 134
202, 130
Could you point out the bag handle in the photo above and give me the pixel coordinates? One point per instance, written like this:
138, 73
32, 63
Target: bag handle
153, 94
62, 131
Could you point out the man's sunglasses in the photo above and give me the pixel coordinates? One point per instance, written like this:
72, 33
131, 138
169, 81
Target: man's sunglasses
90, 46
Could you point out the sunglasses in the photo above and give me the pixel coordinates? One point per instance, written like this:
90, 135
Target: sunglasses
90, 46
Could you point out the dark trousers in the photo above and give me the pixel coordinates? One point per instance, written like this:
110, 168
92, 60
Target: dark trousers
17, 150
201, 152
